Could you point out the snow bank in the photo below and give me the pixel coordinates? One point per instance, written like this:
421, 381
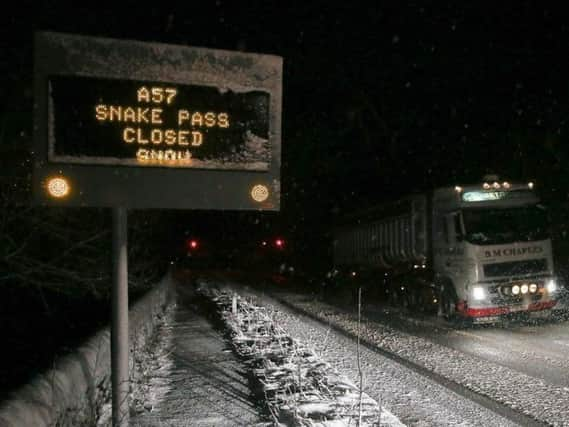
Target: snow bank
532, 396
152, 367
77, 390
298, 386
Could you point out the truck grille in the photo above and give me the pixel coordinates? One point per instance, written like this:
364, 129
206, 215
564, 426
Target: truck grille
513, 300
515, 268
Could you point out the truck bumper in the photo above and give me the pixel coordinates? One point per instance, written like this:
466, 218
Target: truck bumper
489, 314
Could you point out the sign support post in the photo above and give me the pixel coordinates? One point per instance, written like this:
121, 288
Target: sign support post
119, 326
185, 128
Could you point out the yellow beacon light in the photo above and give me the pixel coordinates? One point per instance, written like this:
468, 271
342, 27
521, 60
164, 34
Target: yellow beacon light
58, 187
260, 193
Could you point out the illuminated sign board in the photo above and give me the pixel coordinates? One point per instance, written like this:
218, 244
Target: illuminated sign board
125, 123
137, 123
486, 196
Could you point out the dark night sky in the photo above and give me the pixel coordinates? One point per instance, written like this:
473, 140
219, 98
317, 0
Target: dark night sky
379, 100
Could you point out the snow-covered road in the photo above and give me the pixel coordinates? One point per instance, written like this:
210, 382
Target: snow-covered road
539, 349
425, 373
196, 380
414, 399
514, 389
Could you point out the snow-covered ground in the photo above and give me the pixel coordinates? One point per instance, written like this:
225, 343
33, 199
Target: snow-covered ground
192, 378
178, 396
414, 399
532, 396
299, 387
536, 347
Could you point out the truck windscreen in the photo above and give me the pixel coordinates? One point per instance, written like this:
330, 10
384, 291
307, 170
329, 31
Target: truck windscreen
485, 226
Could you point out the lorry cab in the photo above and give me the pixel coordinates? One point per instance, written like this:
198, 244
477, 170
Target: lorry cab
491, 250
485, 249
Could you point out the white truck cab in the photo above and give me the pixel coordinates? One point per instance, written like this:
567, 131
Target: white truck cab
491, 251
482, 250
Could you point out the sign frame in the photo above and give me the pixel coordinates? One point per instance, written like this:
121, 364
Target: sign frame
97, 185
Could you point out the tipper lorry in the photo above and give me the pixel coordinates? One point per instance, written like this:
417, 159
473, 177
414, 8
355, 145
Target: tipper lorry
478, 252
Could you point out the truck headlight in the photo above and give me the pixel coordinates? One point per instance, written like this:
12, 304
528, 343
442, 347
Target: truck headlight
551, 286
478, 293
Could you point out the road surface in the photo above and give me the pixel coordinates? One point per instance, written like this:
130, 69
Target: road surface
199, 381
424, 371
521, 366
537, 348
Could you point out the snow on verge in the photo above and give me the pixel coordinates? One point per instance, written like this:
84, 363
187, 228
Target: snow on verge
151, 380
149, 372
298, 386
532, 396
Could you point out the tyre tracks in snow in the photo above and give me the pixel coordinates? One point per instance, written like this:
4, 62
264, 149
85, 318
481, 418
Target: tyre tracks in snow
505, 409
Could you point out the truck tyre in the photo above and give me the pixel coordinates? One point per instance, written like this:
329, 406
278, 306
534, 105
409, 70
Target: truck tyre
448, 301
392, 299
420, 302
415, 298
405, 303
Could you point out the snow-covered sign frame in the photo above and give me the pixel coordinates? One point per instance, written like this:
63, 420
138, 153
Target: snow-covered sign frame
150, 125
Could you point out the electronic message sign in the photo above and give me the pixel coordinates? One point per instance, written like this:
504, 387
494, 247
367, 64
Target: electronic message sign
134, 124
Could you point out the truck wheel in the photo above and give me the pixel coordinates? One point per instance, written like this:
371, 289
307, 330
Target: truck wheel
405, 303
420, 302
448, 301
415, 299
391, 296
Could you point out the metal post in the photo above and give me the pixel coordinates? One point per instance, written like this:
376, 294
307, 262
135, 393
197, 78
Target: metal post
119, 324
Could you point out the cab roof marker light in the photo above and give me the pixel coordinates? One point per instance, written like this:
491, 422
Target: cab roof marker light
530, 185
486, 186
506, 185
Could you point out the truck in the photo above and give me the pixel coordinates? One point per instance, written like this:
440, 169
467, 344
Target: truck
477, 252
